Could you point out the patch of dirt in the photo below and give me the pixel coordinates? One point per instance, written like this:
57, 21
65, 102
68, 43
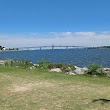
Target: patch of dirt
28, 86
3, 76
20, 89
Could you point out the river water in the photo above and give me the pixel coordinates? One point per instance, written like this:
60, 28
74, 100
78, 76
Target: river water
79, 57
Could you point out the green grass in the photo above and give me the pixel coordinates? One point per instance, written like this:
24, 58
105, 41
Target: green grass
38, 89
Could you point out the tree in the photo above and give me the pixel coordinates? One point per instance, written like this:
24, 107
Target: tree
1, 47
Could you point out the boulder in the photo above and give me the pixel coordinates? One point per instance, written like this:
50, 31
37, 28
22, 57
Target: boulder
2, 62
55, 70
76, 67
85, 69
104, 70
71, 73
79, 71
32, 67
36, 65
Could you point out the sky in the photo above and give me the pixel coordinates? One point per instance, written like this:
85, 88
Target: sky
54, 22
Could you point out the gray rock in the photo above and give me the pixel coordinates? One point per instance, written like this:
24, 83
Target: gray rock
71, 73
76, 67
104, 70
32, 67
95, 75
2, 62
78, 70
36, 64
85, 69
56, 70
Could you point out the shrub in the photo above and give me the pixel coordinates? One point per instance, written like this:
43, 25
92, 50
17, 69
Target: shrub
43, 64
95, 69
24, 63
9, 62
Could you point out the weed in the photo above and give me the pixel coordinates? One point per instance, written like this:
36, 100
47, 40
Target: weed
43, 64
18, 63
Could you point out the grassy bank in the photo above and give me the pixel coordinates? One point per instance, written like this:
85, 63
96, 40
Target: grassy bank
39, 89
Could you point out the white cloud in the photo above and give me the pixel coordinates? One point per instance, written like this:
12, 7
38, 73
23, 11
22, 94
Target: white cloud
85, 34
55, 38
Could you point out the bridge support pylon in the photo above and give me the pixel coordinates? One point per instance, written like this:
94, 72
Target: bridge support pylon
40, 48
52, 47
66, 47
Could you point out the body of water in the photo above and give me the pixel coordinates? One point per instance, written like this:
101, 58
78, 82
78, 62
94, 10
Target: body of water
79, 57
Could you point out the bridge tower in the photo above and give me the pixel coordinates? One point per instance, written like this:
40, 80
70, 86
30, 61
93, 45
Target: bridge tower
40, 48
66, 47
52, 47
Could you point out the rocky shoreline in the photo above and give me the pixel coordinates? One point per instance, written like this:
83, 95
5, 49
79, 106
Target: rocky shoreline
67, 69
79, 70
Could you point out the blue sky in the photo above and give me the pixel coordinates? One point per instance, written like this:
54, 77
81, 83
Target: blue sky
38, 18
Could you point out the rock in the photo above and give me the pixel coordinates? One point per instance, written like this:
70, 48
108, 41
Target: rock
2, 62
76, 67
69, 68
104, 70
85, 69
95, 75
71, 73
78, 70
32, 67
56, 70
36, 65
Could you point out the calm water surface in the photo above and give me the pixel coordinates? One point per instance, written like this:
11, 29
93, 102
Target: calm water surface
79, 57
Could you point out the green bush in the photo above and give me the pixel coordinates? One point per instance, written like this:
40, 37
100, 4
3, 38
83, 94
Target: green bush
24, 63
95, 69
43, 64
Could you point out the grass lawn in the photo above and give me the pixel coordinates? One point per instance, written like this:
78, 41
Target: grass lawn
22, 89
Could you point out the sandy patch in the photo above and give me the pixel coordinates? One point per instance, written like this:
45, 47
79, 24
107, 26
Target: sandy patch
29, 86
20, 89
4, 76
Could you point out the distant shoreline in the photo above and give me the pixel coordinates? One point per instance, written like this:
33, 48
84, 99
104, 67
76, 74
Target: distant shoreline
10, 50
54, 49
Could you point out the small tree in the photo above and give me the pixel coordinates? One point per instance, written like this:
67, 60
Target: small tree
1, 48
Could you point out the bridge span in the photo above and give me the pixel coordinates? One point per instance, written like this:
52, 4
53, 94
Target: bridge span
50, 47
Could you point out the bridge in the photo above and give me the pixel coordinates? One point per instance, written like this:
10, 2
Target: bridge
51, 47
